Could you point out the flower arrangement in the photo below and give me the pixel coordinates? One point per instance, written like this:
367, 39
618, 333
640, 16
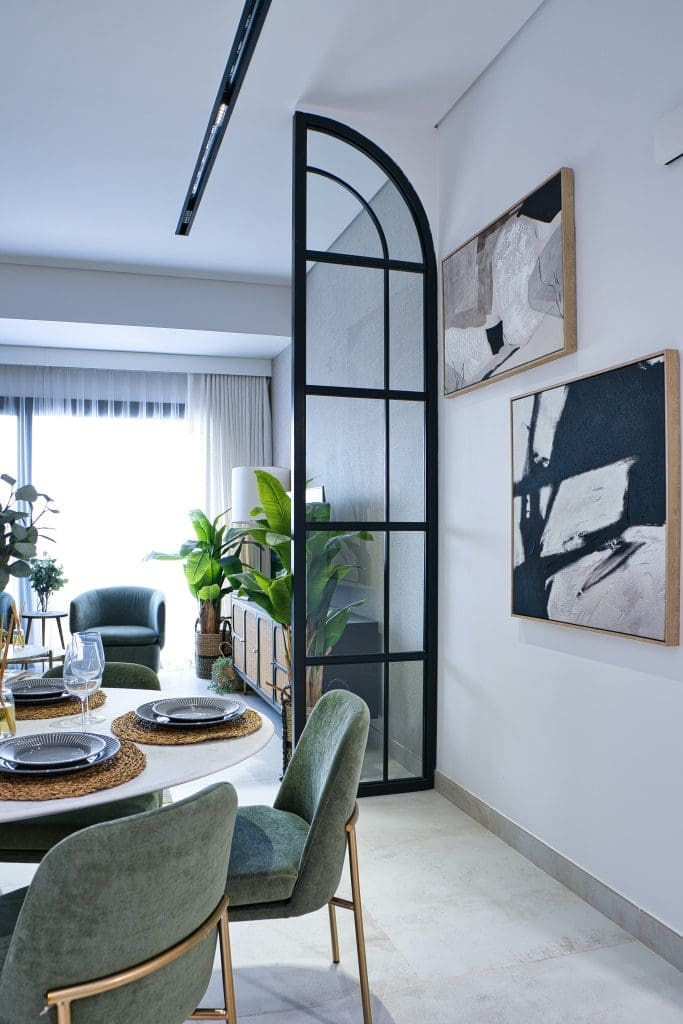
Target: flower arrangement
46, 578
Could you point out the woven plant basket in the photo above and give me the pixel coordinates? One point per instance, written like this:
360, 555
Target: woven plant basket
209, 646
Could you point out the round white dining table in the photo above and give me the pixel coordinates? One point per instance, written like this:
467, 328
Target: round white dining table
166, 765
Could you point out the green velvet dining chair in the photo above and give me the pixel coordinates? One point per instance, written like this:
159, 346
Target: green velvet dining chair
121, 919
119, 673
27, 842
287, 860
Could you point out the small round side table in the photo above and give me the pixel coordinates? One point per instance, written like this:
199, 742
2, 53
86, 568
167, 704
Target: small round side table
43, 617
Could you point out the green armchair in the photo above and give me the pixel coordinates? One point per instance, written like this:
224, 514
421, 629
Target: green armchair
131, 621
287, 860
121, 920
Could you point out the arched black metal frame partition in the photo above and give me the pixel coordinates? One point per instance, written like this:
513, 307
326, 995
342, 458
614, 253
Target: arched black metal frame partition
418, 770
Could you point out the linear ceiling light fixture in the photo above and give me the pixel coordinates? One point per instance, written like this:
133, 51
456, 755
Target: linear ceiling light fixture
243, 46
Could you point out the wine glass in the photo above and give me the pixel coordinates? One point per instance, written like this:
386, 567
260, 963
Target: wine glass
80, 674
91, 636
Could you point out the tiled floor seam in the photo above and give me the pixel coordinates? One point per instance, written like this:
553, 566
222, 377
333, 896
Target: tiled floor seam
438, 979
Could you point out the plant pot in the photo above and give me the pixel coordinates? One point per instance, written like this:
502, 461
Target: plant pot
207, 648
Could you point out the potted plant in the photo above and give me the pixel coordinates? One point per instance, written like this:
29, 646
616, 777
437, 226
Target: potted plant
325, 569
19, 531
209, 558
46, 578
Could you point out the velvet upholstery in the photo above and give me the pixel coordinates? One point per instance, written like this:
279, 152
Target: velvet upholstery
6, 605
120, 673
131, 621
113, 896
318, 794
27, 842
266, 853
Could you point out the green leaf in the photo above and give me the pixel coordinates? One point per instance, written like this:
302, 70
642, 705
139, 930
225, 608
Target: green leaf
202, 526
262, 600
8, 480
257, 536
159, 556
25, 550
274, 540
210, 593
336, 624
20, 532
201, 569
281, 598
233, 535
27, 493
22, 570
274, 501
318, 512
230, 564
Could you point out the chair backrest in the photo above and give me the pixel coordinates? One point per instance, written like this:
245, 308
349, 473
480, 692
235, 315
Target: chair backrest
117, 606
6, 605
119, 673
114, 895
320, 785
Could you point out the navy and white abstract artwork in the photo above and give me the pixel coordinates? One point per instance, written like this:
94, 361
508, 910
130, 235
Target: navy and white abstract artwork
509, 293
590, 501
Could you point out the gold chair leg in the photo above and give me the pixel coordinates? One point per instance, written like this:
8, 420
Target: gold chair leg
229, 1014
358, 922
333, 933
226, 969
63, 1013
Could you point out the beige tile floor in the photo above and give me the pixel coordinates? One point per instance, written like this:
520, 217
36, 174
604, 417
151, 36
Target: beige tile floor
460, 928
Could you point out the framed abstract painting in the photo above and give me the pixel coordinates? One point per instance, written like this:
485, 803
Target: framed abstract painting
596, 501
509, 293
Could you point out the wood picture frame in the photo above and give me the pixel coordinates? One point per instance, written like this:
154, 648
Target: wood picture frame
509, 291
604, 553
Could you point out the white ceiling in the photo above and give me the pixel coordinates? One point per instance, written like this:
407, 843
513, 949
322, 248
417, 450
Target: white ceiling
103, 107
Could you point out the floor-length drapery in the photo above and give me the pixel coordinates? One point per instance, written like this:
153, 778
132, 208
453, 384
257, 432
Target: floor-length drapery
230, 417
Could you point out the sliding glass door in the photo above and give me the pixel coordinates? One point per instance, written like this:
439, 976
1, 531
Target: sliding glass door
364, 386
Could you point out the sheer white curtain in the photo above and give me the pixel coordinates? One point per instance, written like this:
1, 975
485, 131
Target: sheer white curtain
114, 451
230, 419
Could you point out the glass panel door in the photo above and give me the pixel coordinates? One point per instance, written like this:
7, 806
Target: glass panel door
364, 382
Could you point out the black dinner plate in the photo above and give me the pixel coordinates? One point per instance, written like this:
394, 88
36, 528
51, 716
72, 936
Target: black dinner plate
146, 713
110, 749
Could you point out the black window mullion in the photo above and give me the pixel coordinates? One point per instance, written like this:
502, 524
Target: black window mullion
387, 536
377, 262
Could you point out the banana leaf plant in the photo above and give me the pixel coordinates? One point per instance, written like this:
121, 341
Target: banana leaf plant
210, 558
325, 570
19, 531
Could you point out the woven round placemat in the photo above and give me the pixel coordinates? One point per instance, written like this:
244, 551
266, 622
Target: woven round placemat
129, 727
68, 706
127, 765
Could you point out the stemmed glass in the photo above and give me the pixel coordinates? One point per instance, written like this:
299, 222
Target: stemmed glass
82, 672
91, 636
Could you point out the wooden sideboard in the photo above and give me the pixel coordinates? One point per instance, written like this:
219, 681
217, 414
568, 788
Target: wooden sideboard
258, 650
258, 655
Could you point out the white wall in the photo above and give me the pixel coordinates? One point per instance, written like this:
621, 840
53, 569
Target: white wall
281, 407
576, 736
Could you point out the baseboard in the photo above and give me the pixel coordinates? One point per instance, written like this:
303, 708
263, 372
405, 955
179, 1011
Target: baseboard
643, 926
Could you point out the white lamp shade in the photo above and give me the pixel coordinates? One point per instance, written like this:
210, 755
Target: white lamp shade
244, 492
